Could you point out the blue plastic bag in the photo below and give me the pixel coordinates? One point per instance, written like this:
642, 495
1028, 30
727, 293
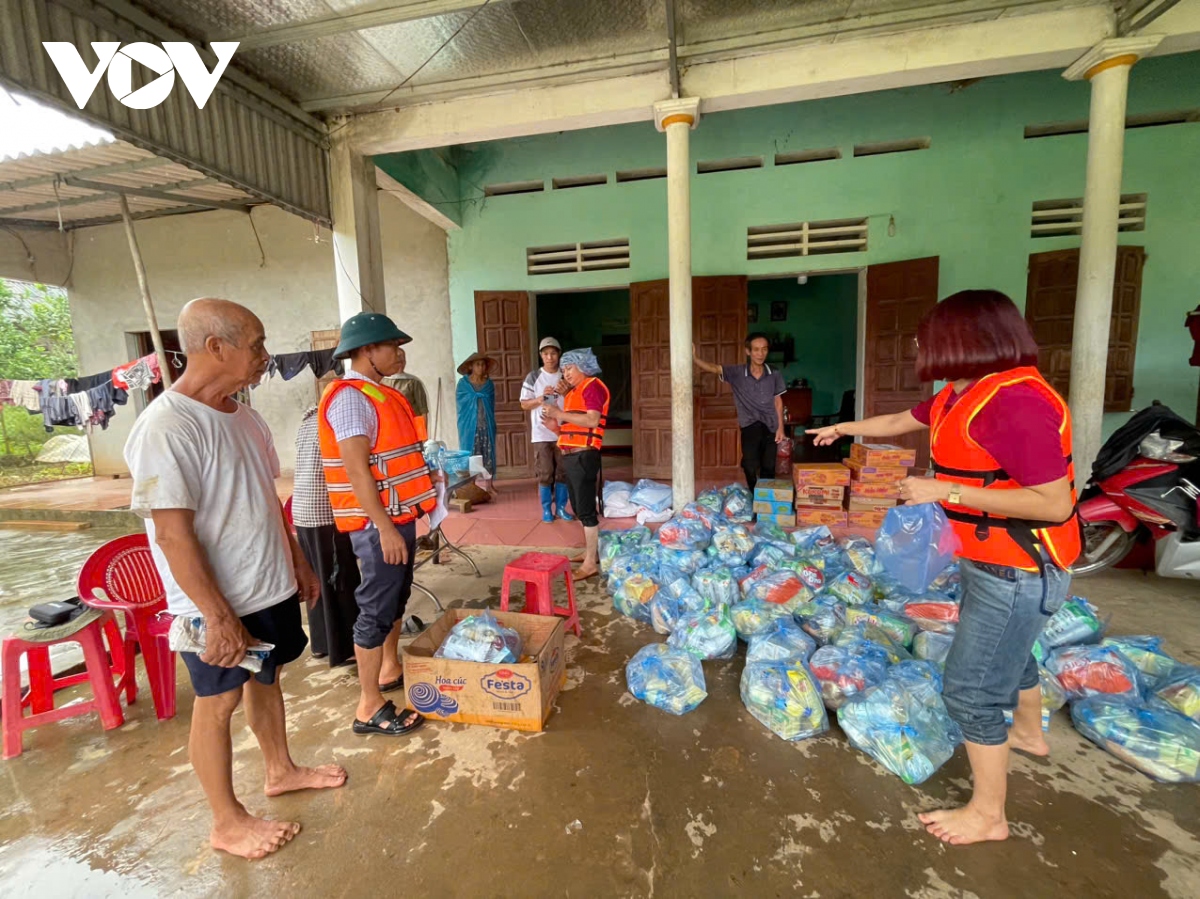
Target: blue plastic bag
1077, 622
634, 595
783, 697
1150, 736
844, 672
737, 505
822, 618
706, 635
664, 612
731, 544
702, 513
851, 587
712, 498
915, 544
860, 555
666, 678
628, 564
881, 645
783, 588
651, 495
772, 554
770, 532
717, 586
1147, 655
1181, 691
1084, 671
689, 561
932, 647
684, 534
898, 628
784, 639
755, 616
810, 570
903, 724
481, 638
949, 582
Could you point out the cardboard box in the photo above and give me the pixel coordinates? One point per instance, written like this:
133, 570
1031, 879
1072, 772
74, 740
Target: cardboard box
764, 507
518, 696
875, 474
821, 502
821, 474
868, 490
814, 495
868, 503
775, 490
784, 521
807, 516
866, 519
883, 455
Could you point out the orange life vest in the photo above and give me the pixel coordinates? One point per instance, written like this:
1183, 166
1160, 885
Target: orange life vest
988, 538
401, 475
572, 436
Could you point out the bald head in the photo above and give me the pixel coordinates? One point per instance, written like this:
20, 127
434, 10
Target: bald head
208, 317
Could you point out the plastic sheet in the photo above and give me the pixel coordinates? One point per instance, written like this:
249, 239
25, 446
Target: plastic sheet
1146, 653
844, 672
737, 504
633, 596
915, 544
481, 638
784, 639
710, 517
651, 495
851, 587
861, 555
932, 647
1182, 691
783, 588
784, 698
731, 544
1078, 621
822, 618
933, 613
1090, 670
1150, 736
684, 534
755, 616
903, 725
706, 635
898, 629
666, 678
717, 586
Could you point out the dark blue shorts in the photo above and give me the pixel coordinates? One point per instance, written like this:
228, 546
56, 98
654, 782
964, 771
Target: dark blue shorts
278, 624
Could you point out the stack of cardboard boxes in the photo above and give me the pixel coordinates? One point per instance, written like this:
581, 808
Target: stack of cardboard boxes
876, 471
820, 493
773, 502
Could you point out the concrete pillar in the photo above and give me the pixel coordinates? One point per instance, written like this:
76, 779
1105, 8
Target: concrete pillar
357, 248
677, 118
1107, 67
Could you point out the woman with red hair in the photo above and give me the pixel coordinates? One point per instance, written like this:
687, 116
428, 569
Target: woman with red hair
1000, 440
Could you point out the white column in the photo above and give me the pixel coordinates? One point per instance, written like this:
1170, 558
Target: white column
357, 249
677, 118
1107, 67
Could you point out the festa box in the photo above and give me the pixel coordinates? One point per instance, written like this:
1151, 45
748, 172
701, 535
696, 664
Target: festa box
806, 516
864, 518
517, 696
870, 504
883, 455
867, 490
783, 520
820, 474
772, 507
875, 474
775, 490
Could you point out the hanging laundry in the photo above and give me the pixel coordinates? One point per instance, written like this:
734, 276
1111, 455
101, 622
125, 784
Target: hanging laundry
137, 375
291, 364
87, 382
321, 362
83, 408
24, 393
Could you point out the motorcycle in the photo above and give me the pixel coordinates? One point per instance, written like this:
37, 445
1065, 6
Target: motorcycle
1144, 486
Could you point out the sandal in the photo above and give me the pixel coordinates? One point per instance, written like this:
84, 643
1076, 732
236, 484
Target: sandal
389, 722
392, 685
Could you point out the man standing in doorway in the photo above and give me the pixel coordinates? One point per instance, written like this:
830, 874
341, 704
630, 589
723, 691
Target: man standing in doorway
378, 485
758, 394
541, 388
580, 425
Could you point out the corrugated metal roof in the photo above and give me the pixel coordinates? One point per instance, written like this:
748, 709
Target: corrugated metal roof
33, 128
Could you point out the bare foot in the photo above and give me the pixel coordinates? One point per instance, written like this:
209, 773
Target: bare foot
961, 826
1033, 744
251, 837
323, 777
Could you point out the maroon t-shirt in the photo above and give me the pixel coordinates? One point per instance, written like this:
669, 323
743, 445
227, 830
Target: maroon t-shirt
1019, 428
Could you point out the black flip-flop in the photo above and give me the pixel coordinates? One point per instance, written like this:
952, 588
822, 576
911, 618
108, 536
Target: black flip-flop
387, 715
392, 685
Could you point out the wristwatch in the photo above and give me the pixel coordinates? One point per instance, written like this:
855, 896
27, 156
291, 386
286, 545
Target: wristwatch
955, 497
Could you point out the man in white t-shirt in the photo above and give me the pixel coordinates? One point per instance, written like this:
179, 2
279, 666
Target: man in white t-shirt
542, 386
204, 469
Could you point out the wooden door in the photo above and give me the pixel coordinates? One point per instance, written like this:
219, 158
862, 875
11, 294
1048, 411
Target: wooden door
650, 339
898, 295
719, 332
502, 329
1050, 311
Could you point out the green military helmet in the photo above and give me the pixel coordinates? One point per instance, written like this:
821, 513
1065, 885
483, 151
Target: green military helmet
367, 328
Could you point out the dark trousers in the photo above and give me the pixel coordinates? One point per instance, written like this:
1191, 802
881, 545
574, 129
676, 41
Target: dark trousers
331, 621
758, 453
548, 465
582, 471
385, 588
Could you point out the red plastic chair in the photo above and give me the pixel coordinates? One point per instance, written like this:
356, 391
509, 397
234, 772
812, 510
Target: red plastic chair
39, 699
120, 576
537, 570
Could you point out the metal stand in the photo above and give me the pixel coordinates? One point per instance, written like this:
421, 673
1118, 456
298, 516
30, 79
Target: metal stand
442, 543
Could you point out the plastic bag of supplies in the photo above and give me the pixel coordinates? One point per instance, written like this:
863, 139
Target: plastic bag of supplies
634, 595
706, 635
1150, 736
784, 698
844, 672
754, 616
1084, 671
685, 533
666, 678
481, 638
782, 640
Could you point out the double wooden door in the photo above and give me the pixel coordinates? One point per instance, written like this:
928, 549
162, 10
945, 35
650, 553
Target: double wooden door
502, 332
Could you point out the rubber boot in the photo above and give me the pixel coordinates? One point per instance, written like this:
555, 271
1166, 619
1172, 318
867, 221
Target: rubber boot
547, 512
560, 500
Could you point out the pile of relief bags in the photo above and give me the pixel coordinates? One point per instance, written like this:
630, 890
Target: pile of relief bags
843, 627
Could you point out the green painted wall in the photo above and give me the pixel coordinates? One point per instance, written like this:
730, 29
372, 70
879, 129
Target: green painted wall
822, 319
966, 199
431, 174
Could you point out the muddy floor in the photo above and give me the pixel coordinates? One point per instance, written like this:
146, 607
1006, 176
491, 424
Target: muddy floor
613, 799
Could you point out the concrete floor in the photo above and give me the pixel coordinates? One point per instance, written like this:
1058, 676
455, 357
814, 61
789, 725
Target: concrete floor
708, 804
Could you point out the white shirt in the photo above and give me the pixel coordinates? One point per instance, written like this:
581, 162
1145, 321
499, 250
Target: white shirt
534, 388
221, 465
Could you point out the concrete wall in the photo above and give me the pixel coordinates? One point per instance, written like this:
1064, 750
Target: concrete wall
41, 256
966, 199
290, 286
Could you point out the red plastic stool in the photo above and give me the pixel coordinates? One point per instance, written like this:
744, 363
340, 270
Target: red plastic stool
537, 570
43, 684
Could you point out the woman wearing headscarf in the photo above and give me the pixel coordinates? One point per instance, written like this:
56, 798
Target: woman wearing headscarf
1000, 440
580, 425
476, 401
